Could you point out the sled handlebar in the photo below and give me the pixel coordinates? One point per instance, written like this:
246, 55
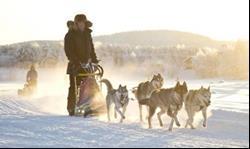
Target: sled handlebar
92, 69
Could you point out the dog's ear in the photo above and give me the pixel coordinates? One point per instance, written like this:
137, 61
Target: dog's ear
125, 86
178, 83
208, 88
120, 86
154, 77
185, 85
201, 87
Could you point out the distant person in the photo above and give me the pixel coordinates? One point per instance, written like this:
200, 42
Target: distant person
31, 77
79, 48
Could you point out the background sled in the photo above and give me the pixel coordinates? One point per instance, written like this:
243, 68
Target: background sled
27, 90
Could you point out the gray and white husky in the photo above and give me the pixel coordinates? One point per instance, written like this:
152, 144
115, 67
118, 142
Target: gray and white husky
119, 97
145, 89
170, 101
197, 100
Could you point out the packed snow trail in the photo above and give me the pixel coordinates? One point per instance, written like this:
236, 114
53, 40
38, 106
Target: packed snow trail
28, 123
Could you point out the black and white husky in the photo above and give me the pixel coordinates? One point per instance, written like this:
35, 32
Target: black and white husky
119, 97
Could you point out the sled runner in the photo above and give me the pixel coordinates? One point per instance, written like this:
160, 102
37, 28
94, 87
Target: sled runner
88, 92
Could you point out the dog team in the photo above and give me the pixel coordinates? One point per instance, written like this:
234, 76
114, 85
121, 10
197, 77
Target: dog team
153, 96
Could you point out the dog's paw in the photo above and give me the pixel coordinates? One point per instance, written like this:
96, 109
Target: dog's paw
123, 117
204, 125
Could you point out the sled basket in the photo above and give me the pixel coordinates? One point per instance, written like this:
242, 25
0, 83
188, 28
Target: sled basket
87, 90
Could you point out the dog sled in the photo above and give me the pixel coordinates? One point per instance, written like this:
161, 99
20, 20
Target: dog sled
28, 89
89, 99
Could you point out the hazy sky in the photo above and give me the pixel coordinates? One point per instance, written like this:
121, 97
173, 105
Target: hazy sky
23, 20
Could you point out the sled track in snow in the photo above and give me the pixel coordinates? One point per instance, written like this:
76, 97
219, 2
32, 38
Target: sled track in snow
24, 124
21, 125
10, 105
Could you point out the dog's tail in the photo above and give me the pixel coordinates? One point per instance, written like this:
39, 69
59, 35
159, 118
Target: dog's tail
108, 84
144, 101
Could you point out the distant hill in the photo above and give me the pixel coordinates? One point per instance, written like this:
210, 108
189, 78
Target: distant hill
158, 38
142, 51
41, 52
45, 52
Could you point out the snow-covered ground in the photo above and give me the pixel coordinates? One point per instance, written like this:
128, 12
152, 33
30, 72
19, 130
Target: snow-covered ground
42, 121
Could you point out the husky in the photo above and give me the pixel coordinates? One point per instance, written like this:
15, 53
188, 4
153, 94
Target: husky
119, 97
145, 89
170, 101
197, 100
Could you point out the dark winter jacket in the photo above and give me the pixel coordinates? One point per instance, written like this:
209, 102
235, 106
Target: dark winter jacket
69, 46
78, 48
31, 77
84, 46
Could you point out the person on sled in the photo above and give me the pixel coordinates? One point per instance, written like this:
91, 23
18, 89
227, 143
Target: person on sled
79, 49
31, 77
31, 83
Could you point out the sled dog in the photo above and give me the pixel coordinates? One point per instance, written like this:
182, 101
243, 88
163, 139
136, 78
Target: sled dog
119, 97
145, 89
170, 101
197, 100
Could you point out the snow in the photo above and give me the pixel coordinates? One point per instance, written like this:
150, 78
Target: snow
42, 121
